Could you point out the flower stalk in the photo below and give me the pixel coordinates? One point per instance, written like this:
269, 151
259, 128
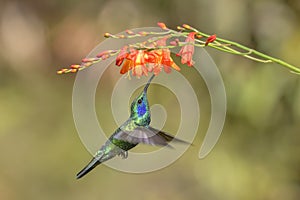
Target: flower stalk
153, 54
247, 52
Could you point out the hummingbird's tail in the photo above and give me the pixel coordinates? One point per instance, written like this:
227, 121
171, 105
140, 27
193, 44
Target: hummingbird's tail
94, 162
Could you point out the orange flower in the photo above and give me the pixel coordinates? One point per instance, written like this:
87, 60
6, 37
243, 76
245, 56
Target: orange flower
187, 51
167, 61
140, 62
135, 61
153, 58
160, 58
139, 67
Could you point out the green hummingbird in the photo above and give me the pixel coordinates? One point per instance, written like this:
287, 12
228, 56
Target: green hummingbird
132, 132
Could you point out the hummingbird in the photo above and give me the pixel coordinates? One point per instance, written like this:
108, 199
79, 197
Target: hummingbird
133, 131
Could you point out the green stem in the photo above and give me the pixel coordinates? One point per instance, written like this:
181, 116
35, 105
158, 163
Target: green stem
254, 52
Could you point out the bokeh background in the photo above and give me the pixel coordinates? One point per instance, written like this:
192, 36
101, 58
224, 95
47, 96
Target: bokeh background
257, 156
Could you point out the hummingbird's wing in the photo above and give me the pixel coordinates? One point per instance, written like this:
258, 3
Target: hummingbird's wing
167, 136
147, 135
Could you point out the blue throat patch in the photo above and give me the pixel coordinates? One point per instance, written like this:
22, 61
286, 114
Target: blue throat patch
141, 109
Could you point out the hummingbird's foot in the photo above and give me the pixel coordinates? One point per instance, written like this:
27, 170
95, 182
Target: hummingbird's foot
123, 154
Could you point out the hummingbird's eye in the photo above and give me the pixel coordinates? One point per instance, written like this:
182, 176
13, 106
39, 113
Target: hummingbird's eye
139, 101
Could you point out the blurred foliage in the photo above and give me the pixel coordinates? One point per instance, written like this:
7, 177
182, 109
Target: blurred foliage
257, 156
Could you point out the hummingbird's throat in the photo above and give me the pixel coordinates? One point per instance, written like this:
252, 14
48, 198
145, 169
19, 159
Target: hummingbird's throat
141, 109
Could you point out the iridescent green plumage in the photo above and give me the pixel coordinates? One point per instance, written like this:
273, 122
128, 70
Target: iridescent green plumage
132, 132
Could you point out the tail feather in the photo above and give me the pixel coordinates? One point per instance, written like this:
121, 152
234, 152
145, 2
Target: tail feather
94, 162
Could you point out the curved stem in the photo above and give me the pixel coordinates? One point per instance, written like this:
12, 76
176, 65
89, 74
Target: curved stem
267, 58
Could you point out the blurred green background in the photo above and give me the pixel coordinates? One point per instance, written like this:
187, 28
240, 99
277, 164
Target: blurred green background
257, 156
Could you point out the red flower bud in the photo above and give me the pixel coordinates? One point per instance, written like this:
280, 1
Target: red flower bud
162, 25
211, 39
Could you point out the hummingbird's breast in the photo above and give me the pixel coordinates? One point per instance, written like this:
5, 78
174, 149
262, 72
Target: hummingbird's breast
123, 144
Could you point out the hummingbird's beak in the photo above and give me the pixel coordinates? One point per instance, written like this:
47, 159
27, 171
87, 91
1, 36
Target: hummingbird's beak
148, 83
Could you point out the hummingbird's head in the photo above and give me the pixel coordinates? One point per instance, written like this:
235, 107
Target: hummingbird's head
140, 111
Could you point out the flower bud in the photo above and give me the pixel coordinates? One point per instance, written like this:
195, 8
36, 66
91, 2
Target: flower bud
162, 25
211, 39
186, 26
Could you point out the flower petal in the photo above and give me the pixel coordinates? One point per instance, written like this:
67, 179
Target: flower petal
126, 66
121, 56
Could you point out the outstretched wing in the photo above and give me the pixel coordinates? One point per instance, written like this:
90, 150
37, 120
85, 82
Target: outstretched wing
147, 135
